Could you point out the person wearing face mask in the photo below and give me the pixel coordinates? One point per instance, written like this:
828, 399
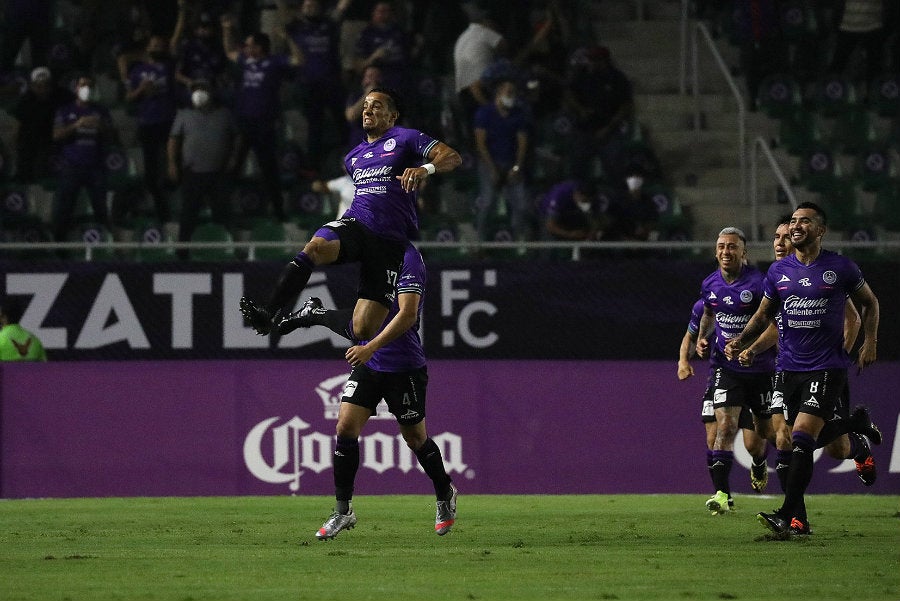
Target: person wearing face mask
33, 137
151, 89
82, 130
570, 211
502, 138
200, 150
634, 213
198, 55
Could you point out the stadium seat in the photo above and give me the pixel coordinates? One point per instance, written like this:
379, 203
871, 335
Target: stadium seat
876, 168
884, 96
834, 94
839, 201
15, 204
779, 95
438, 229
852, 130
308, 209
264, 229
212, 232
153, 237
673, 224
818, 169
95, 235
30, 229
886, 210
798, 131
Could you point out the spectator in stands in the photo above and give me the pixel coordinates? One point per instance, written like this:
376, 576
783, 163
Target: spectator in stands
633, 212
201, 150
198, 55
131, 45
343, 187
569, 211
82, 129
33, 136
543, 57
436, 25
151, 88
17, 343
384, 42
258, 103
371, 79
319, 75
474, 50
502, 138
862, 25
599, 98
30, 20
762, 45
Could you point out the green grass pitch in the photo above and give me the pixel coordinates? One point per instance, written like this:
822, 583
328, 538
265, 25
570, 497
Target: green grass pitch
502, 547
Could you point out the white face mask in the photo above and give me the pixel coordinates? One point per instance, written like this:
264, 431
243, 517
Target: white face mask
584, 206
634, 182
200, 98
84, 93
508, 101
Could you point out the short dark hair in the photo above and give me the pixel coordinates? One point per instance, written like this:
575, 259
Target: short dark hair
11, 308
814, 207
784, 219
395, 102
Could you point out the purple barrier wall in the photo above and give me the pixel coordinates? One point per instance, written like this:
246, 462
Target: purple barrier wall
77, 429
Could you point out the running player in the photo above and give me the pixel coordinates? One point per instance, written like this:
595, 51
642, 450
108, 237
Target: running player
731, 295
810, 289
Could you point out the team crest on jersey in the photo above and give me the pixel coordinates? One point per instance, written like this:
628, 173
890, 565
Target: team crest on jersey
829, 277
390, 144
746, 296
727, 300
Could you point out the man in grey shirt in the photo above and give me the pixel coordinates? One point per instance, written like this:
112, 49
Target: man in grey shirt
201, 146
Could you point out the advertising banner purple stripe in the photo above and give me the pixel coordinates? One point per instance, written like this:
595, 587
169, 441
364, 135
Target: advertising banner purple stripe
173, 428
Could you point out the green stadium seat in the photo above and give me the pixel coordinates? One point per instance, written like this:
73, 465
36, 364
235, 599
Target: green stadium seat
884, 96
212, 232
834, 94
779, 95
839, 200
876, 168
852, 130
886, 210
153, 238
268, 230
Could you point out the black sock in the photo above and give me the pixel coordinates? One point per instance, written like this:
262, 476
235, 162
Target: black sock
831, 431
799, 475
429, 456
709, 465
292, 280
721, 470
783, 465
338, 321
859, 450
346, 463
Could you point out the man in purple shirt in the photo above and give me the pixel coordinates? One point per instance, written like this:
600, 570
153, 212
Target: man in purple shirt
320, 78
151, 87
257, 106
809, 289
730, 296
755, 444
386, 168
390, 366
82, 129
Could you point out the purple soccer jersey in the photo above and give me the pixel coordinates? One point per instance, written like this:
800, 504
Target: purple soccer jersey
696, 316
159, 105
811, 302
380, 203
258, 94
406, 352
733, 305
85, 148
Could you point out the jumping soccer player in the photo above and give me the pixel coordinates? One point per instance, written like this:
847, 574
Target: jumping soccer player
386, 169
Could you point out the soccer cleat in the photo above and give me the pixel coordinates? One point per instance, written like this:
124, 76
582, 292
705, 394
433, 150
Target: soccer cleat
863, 421
865, 469
799, 527
335, 523
718, 503
774, 522
300, 319
759, 476
258, 317
446, 513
